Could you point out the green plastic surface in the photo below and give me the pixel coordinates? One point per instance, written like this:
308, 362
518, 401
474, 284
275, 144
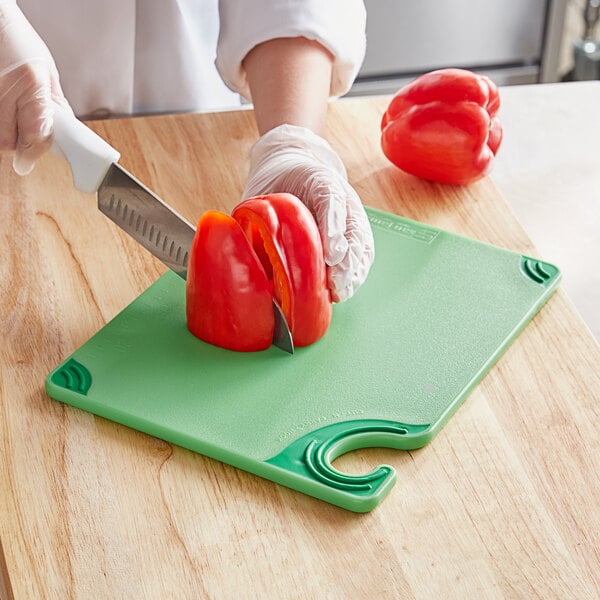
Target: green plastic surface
399, 358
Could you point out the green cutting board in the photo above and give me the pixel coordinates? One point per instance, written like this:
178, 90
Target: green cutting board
399, 358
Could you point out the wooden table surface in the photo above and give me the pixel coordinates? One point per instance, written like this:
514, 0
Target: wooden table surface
504, 503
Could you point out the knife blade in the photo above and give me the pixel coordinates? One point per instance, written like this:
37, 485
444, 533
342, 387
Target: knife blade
132, 206
146, 218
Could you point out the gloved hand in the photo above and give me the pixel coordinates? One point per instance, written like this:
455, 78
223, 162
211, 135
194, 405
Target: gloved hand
296, 160
29, 87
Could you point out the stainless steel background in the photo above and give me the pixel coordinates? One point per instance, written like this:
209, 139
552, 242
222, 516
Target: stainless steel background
513, 41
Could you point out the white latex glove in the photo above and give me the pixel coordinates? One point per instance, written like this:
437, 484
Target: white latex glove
296, 160
29, 87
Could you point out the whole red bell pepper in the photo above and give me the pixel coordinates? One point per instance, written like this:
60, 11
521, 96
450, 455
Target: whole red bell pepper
269, 247
443, 126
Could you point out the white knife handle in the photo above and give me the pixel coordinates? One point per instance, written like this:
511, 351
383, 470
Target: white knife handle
88, 154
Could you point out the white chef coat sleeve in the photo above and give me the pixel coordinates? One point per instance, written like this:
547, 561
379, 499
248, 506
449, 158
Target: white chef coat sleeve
339, 25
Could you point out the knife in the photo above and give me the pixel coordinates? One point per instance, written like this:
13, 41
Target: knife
131, 205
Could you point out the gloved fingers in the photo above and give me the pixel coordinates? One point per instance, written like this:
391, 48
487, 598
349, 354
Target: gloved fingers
273, 176
9, 91
350, 273
326, 198
34, 136
34, 128
331, 224
28, 95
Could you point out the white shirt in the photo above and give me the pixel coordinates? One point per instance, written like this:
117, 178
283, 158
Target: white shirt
145, 56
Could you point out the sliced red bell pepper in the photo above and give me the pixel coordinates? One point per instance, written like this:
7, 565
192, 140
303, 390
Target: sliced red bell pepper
284, 235
443, 126
270, 247
228, 295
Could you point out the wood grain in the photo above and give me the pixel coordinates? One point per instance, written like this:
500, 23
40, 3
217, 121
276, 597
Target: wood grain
503, 504
5, 587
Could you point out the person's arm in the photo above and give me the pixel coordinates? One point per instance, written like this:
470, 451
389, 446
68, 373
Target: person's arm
289, 80
289, 60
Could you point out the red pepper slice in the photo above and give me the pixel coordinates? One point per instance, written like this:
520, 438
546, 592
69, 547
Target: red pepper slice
443, 126
228, 295
269, 247
284, 235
